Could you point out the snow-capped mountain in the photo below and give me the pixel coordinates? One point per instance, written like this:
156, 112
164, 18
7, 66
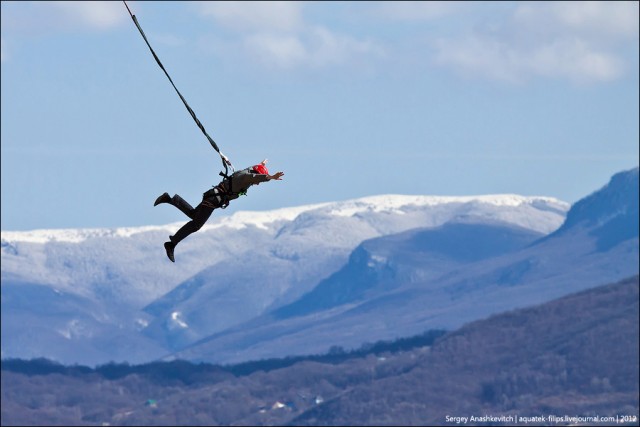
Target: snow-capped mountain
100, 295
404, 284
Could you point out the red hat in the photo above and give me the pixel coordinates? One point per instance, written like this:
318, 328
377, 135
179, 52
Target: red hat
261, 169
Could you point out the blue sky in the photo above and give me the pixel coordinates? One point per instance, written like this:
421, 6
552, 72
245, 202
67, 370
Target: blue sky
349, 99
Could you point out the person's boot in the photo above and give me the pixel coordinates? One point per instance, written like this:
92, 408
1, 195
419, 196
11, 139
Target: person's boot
169, 247
164, 198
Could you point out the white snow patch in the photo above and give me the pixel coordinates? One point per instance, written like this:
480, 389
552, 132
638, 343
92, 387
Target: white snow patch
74, 329
175, 317
375, 260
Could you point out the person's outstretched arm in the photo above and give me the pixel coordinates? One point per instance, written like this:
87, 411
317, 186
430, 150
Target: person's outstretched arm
277, 176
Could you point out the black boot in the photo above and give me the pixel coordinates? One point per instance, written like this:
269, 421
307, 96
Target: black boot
164, 198
169, 247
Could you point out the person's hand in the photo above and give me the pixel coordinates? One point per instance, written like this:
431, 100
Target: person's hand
277, 176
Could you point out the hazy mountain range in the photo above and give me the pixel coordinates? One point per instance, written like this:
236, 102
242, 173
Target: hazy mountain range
301, 280
574, 358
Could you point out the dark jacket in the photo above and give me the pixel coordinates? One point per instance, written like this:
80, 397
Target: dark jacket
231, 188
240, 181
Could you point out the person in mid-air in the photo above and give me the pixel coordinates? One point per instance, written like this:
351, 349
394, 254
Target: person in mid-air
218, 197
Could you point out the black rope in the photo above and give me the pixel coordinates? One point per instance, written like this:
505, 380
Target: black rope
225, 160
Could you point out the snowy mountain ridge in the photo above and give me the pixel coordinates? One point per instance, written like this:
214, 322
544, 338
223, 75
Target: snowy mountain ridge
260, 219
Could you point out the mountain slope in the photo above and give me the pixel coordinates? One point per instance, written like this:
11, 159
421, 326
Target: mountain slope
609, 226
381, 264
38, 319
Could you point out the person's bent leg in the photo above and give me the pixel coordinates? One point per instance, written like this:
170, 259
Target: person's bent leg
201, 215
